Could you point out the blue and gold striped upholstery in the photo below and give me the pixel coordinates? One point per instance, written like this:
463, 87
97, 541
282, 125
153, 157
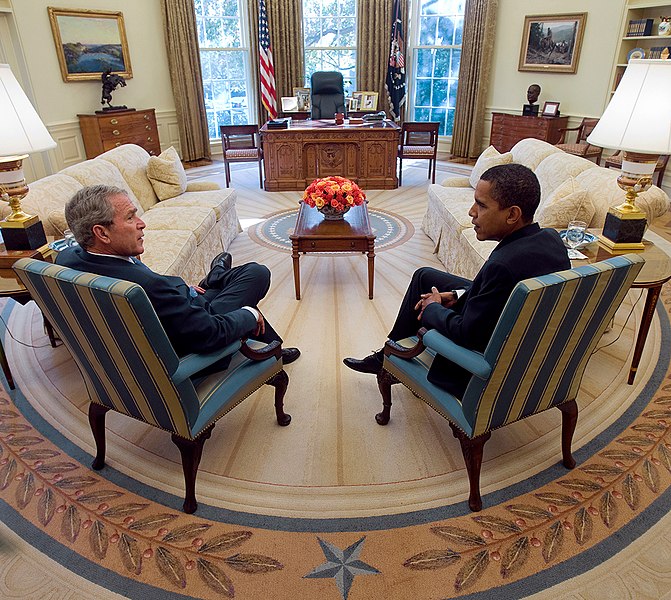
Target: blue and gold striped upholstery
537, 354
125, 357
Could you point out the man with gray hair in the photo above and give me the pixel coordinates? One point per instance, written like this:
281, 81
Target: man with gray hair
202, 318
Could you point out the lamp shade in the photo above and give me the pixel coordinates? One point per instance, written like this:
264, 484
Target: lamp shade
21, 130
638, 117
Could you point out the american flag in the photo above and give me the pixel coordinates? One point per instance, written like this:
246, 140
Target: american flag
395, 82
267, 68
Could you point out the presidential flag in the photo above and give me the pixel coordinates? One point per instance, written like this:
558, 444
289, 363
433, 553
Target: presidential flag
395, 82
266, 66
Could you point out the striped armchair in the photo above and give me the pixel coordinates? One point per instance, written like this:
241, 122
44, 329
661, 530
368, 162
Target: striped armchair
534, 360
129, 366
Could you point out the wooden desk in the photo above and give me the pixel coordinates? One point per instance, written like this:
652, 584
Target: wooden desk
367, 154
315, 234
507, 129
655, 273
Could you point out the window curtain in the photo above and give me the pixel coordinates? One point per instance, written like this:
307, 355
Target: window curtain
285, 25
373, 42
474, 75
181, 40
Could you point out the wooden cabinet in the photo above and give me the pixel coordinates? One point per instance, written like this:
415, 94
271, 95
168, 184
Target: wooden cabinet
636, 10
507, 129
102, 132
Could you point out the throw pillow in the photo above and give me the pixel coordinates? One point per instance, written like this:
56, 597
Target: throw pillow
56, 219
569, 202
167, 174
489, 158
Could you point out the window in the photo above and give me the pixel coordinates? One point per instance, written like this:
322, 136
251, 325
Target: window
436, 55
329, 30
224, 56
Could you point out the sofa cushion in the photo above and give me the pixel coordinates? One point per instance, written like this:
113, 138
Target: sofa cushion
171, 252
131, 160
96, 171
530, 152
166, 174
220, 201
558, 168
197, 219
489, 158
569, 202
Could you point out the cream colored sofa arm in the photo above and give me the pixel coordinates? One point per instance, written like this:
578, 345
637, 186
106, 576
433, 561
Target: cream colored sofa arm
202, 186
456, 182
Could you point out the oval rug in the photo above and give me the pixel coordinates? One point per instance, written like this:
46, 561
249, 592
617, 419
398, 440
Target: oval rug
390, 229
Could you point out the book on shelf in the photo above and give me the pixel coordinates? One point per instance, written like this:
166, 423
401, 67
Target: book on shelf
639, 27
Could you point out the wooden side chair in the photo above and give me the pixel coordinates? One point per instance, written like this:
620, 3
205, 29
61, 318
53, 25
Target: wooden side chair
129, 365
581, 147
241, 143
418, 140
615, 162
535, 358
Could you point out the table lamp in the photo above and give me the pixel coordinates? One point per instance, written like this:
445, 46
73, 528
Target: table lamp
22, 133
637, 121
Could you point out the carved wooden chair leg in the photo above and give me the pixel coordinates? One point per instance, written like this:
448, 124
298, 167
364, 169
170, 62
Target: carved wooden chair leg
227, 171
97, 414
280, 381
472, 449
400, 171
191, 451
384, 382
569, 419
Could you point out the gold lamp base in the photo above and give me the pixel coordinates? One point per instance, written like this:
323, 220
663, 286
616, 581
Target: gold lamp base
20, 231
625, 224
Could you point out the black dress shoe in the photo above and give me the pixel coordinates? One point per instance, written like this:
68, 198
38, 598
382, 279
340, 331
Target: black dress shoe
224, 260
370, 364
289, 355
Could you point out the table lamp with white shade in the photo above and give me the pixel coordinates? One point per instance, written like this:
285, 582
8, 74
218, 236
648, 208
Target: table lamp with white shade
21, 133
637, 121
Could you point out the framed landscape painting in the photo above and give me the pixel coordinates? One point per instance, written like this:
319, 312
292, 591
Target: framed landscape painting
88, 42
551, 43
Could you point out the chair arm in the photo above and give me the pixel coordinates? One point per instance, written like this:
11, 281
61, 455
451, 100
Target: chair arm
474, 362
272, 349
202, 186
192, 363
391, 348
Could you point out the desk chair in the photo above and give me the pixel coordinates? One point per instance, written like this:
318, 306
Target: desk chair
129, 365
534, 360
241, 143
327, 94
615, 162
581, 147
418, 140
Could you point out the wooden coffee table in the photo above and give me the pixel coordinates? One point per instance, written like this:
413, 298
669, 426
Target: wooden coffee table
313, 233
655, 273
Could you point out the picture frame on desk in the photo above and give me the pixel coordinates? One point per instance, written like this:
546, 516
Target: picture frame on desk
81, 36
303, 96
289, 104
552, 43
550, 109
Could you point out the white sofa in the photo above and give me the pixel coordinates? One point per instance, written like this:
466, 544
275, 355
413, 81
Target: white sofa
571, 188
183, 233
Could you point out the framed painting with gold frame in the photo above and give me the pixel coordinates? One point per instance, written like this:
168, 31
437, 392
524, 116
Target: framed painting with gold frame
88, 42
551, 43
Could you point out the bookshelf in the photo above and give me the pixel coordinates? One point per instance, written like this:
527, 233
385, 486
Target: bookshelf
640, 16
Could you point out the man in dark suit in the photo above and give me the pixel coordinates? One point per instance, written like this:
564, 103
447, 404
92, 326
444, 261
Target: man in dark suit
203, 318
506, 199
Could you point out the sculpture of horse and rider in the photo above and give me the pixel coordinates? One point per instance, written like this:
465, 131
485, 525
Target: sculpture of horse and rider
111, 81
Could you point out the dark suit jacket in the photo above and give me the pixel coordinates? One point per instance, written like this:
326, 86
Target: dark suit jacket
188, 321
528, 252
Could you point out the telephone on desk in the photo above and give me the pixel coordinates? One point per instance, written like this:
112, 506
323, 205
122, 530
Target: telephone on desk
375, 118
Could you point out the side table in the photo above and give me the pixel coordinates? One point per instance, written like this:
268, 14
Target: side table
11, 287
655, 273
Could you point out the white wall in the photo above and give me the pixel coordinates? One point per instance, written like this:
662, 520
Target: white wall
58, 102
583, 94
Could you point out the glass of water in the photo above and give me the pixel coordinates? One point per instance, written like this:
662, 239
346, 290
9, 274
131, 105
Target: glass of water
575, 233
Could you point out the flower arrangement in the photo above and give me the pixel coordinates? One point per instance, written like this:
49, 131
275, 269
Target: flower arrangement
336, 192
